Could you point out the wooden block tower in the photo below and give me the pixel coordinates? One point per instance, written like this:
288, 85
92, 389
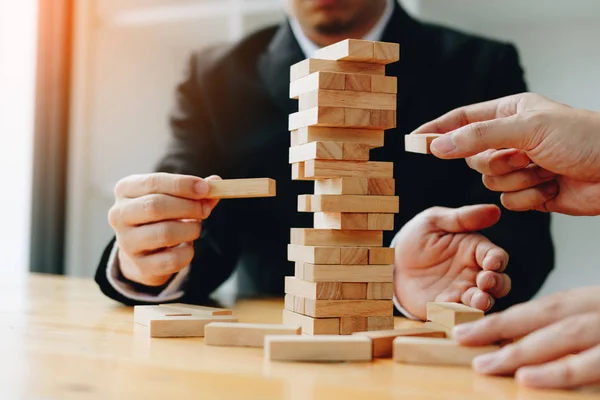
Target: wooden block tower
343, 275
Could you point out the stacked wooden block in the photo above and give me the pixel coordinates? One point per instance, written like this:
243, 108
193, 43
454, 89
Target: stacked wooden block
343, 275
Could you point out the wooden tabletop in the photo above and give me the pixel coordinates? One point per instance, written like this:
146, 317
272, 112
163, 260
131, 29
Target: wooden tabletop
61, 339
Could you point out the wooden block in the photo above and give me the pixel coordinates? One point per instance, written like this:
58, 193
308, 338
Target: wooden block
349, 204
325, 290
316, 151
347, 99
243, 334
315, 254
432, 351
349, 325
312, 326
299, 270
383, 84
380, 290
241, 188
380, 222
381, 187
353, 291
357, 186
298, 172
322, 169
353, 256
451, 314
357, 117
355, 152
381, 255
438, 327
385, 53
348, 273
318, 116
198, 310
312, 65
184, 326
369, 137
380, 323
318, 80
383, 341
337, 220
143, 314
383, 119
358, 82
317, 348
419, 142
330, 237
347, 50
293, 303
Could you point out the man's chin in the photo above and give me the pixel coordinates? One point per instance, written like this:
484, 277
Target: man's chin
332, 28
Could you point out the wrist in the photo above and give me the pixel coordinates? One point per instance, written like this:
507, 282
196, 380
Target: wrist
128, 271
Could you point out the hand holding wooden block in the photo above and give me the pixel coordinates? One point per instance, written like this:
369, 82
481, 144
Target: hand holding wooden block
419, 142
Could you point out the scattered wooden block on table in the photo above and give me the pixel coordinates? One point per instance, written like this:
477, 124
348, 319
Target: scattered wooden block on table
380, 323
312, 326
356, 186
325, 290
384, 222
243, 334
349, 325
419, 142
386, 53
329, 151
369, 137
312, 65
196, 309
347, 273
353, 255
348, 204
331, 237
380, 290
431, 351
322, 169
384, 84
318, 80
343, 117
451, 314
347, 99
317, 348
183, 326
241, 188
383, 341
143, 314
381, 255
348, 308
315, 254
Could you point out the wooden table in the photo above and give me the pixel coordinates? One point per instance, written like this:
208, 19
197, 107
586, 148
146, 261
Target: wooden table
61, 339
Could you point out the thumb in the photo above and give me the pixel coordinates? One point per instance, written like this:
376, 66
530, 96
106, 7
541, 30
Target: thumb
466, 219
501, 133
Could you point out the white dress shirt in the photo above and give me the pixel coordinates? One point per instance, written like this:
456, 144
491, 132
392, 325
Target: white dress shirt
175, 289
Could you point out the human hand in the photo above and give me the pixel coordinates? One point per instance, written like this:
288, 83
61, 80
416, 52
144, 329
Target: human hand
440, 258
542, 155
554, 328
156, 217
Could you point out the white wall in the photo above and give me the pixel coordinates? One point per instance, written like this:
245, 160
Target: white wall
559, 46
18, 30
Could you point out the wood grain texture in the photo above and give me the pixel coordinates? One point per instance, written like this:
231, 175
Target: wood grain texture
378, 221
241, 188
383, 84
323, 169
343, 117
315, 254
347, 50
317, 348
369, 137
451, 314
198, 310
329, 151
319, 80
432, 351
380, 323
356, 186
380, 291
244, 334
348, 308
330, 237
338, 220
383, 341
354, 256
385, 53
349, 325
358, 82
184, 326
381, 187
347, 99
325, 290
312, 65
382, 255
347, 273
350, 204
419, 142
312, 326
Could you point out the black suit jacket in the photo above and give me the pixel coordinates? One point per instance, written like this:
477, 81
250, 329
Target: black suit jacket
231, 119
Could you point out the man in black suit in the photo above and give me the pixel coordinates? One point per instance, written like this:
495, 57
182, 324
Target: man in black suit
230, 120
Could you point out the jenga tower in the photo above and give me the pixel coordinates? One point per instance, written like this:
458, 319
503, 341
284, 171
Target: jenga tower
343, 275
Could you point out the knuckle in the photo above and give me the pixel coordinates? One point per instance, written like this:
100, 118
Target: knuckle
172, 261
479, 130
120, 186
151, 183
489, 182
114, 216
153, 207
162, 235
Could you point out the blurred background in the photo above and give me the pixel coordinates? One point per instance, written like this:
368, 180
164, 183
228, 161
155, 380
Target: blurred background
85, 90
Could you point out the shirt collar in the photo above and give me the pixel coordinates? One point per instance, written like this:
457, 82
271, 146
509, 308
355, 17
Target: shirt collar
375, 34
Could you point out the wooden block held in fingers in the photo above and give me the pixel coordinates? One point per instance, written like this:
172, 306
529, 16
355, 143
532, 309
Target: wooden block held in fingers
383, 341
314, 254
347, 50
348, 273
184, 326
312, 65
338, 220
322, 169
349, 204
432, 351
451, 314
347, 99
316, 151
419, 142
358, 82
318, 80
385, 53
241, 188
196, 309
381, 255
317, 348
356, 186
384, 84
371, 138
354, 256
312, 326
383, 222
243, 334
380, 290
381, 186
380, 323
349, 325
330, 237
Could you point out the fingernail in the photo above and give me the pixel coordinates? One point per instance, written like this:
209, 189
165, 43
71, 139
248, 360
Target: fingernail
444, 144
544, 173
201, 187
489, 302
519, 160
486, 364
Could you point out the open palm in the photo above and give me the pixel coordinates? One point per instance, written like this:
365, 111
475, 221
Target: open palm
440, 257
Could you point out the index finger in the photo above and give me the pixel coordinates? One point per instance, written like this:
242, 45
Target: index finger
183, 186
